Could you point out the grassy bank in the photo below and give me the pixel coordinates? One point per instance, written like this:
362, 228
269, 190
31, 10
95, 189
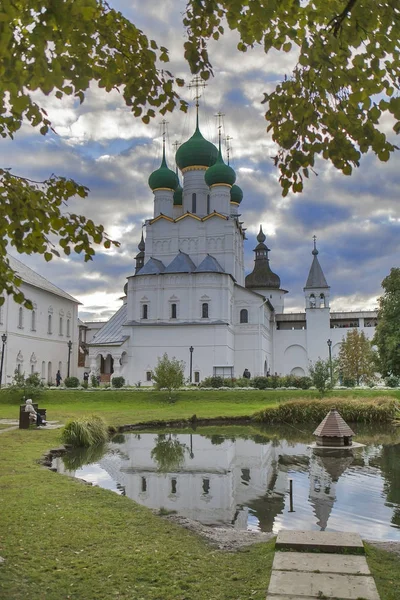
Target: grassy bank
62, 539
353, 410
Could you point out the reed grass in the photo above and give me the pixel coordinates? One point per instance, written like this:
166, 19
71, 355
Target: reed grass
85, 432
353, 410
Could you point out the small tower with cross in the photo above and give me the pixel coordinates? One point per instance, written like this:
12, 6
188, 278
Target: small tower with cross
316, 293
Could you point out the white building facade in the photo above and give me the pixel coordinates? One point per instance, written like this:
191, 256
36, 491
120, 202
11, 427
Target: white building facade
189, 296
37, 341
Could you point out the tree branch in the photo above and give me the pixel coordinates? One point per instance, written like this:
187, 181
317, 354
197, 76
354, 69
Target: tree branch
335, 24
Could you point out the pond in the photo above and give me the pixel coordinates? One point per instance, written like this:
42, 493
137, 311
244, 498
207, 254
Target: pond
240, 476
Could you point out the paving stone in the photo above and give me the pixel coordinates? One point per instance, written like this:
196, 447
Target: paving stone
325, 541
323, 562
317, 585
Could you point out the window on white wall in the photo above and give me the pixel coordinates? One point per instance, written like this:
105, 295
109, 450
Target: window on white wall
20, 317
208, 204
61, 326
145, 311
204, 310
197, 376
244, 315
193, 203
173, 311
33, 320
49, 324
68, 328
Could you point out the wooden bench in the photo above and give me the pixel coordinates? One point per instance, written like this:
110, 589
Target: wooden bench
24, 420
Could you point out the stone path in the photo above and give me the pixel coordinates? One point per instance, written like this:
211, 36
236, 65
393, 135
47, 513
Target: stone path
13, 423
312, 565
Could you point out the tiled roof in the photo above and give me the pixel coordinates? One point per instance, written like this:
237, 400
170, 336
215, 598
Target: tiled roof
112, 332
316, 277
182, 263
209, 265
333, 426
32, 278
152, 267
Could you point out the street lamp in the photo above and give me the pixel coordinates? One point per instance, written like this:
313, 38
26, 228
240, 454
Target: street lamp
329, 342
3, 339
69, 356
191, 363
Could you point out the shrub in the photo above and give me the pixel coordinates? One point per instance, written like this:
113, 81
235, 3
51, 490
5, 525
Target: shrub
304, 382
87, 431
243, 382
84, 384
214, 382
34, 380
94, 381
71, 382
392, 381
118, 382
377, 410
261, 383
348, 382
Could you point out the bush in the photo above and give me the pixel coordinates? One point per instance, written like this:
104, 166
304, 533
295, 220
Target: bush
118, 382
348, 382
243, 382
87, 431
304, 382
71, 382
94, 381
261, 383
381, 410
17, 395
392, 381
34, 380
213, 382
84, 384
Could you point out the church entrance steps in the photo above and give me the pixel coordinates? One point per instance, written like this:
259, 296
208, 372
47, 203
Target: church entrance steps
325, 565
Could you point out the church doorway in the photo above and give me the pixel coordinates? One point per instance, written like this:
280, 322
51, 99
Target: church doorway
106, 368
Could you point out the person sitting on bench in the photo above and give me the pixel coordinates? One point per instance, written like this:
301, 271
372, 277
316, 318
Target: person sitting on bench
33, 415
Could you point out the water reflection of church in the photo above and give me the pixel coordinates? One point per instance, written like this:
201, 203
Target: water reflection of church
231, 481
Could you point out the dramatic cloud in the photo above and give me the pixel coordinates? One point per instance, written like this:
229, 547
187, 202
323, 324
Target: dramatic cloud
100, 144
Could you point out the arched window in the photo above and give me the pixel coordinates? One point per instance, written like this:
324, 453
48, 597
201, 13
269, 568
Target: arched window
204, 310
49, 325
322, 300
312, 301
33, 320
208, 204
244, 315
20, 317
145, 311
193, 203
173, 311
68, 328
61, 326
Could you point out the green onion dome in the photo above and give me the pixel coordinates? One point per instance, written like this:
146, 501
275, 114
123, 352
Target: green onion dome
197, 151
220, 173
236, 194
178, 195
163, 177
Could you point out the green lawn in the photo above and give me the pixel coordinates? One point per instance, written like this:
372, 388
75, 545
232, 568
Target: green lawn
62, 539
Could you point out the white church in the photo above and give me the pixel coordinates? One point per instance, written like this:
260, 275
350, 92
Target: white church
189, 296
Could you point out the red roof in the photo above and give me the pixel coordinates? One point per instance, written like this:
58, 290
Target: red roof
333, 426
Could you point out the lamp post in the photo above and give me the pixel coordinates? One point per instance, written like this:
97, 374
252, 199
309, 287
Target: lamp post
191, 363
3, 339
329, 342
69, 356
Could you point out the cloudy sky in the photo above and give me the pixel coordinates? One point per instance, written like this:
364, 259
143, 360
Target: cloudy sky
100, 144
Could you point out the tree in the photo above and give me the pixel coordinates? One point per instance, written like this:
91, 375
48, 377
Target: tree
169, 453
387, 333
356, 358
345, 80
60, 47
320, 373
169, 374
334, 105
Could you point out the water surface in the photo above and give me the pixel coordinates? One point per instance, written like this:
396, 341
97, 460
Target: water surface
240, 476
